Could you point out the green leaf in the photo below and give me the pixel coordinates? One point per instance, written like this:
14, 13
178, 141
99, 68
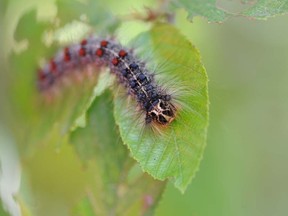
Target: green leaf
213, 12
175, 153
3, 212
99, 146
95, 11
84, 208
203, 8
67, 108
267, 8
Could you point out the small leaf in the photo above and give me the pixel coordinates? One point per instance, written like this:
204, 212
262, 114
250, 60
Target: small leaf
84, 208
267, 8
203, 8
95, 11
176, 152
211, 10
100, 145
3, 212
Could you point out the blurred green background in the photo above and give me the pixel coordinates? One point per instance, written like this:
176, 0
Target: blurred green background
244, 170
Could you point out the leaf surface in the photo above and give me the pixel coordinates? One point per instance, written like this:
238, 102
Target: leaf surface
267, 8
118, 188
214, 11
176, 151
203, 8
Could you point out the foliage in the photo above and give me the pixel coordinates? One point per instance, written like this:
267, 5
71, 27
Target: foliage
2, 211
213, 11
100, 124
171, 154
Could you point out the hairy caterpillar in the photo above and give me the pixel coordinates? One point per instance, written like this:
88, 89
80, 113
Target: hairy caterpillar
130, 71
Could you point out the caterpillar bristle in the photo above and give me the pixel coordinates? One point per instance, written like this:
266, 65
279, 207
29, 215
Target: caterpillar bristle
80, 60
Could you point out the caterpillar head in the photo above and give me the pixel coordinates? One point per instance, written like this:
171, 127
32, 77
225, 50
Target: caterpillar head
161, 112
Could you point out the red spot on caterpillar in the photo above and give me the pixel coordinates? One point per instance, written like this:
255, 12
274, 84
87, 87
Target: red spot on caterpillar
41, 75
53, 66
83, 42
99, 52
67, 56
115, 61
82, 52
104, 43
122, 53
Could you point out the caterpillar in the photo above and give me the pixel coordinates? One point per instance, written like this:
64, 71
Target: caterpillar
130, 71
